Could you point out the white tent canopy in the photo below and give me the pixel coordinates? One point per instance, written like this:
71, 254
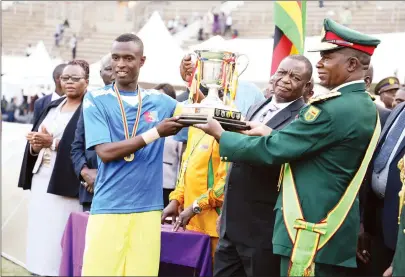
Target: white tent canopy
36, 69
26, 73
163, 54
213, 43
95, 80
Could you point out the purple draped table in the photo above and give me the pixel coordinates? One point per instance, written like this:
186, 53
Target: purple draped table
178, 249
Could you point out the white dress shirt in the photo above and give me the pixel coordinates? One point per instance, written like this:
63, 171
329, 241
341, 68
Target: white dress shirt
55, 96
268, 111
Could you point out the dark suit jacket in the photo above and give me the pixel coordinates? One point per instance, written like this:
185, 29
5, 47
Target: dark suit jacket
251, 191
183, 96
81, 157
63, 180
388, 207
40, 105
384, 113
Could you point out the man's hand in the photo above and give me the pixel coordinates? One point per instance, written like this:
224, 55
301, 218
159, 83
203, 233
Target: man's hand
186, 68
212, 128
257, 129
171, 210
363, 246
218, 224
388, 272
89, 176
169, 127
184, 218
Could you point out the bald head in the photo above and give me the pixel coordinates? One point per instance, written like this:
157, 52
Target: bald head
399, 96
106, 60
368, 76
106, 70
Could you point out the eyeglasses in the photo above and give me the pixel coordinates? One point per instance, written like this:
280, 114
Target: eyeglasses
73, 78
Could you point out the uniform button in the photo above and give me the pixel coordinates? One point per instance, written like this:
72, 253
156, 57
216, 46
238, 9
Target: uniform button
222, 158
281, 208
404, 231
226, 158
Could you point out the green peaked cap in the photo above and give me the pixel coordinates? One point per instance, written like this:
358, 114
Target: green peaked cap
335, 36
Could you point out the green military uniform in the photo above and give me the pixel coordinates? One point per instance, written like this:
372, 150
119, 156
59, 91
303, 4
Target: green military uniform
399, 258
322, 151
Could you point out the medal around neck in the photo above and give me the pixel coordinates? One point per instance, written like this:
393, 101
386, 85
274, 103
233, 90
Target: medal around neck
131, 157
215, 70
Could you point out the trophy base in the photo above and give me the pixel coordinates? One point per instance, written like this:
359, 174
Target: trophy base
226, 123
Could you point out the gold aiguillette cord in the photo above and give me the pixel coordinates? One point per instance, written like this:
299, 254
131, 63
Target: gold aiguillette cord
131, 157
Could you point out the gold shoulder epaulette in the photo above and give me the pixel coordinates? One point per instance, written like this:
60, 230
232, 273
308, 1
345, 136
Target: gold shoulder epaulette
324, 97
371, 96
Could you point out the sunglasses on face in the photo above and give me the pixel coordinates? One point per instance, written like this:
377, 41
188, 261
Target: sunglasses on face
73, 78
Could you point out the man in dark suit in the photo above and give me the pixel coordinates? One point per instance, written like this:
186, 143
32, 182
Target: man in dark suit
368, 79
85, 161
363, 263
247, 220
382, 202
42, 103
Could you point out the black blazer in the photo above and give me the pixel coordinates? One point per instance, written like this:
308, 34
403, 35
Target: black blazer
81, 157
384, 114
63, 180
40, 105
388, 207
251, 191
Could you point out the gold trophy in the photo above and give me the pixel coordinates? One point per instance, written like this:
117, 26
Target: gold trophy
217, 71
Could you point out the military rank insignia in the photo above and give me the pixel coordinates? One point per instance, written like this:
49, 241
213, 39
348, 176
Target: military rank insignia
311, 114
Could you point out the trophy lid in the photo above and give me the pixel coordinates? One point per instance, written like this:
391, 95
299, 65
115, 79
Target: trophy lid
213, 54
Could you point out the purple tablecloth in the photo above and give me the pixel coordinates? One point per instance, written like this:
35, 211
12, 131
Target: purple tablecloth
182, 248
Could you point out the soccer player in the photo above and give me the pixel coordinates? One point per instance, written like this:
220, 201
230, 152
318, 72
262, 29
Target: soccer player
123, 123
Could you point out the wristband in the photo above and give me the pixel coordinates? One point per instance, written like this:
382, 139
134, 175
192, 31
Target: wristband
150, 136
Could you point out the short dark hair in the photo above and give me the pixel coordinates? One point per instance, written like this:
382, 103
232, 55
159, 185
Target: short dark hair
58, 71
168, 89
127, 37
364, 58
369, 72
304, 60
84, 65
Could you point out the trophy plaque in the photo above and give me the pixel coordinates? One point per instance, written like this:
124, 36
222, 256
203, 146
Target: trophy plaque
215, 70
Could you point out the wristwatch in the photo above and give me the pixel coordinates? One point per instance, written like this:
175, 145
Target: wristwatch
53, 146
196, 207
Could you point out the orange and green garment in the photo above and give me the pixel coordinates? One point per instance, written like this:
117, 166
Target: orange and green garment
202, 178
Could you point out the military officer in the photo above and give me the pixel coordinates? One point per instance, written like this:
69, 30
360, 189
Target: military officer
398, 265
386, 89
325, 153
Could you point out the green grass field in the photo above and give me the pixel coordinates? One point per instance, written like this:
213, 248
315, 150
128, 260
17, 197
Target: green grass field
9, 268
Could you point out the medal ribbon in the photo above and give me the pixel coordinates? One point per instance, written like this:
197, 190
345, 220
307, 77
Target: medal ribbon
124, 116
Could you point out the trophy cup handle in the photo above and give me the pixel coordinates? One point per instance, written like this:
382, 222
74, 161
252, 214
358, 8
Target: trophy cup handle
247, 63
193, 54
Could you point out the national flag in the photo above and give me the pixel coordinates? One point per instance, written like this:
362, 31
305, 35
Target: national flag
289, 34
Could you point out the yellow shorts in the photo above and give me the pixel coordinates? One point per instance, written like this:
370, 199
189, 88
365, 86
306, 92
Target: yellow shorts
122, 245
